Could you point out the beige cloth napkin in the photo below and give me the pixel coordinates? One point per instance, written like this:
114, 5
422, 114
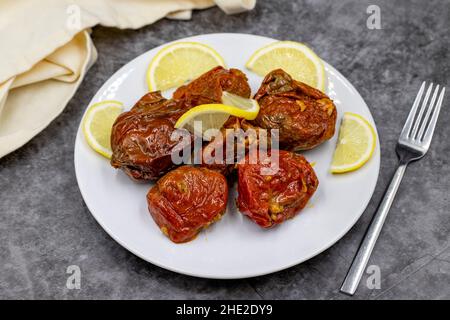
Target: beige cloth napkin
46, 50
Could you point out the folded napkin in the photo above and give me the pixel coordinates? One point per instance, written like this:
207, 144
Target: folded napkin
47, 49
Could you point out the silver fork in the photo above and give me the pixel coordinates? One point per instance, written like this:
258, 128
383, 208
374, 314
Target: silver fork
413, 144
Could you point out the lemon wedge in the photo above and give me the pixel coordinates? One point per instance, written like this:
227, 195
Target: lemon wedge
97, 124
213, 116
293, 57
180, 62
356, 143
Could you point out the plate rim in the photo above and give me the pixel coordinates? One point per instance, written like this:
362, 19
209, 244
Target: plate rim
205, 275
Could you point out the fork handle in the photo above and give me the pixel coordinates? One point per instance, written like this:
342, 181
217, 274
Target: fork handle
359, 263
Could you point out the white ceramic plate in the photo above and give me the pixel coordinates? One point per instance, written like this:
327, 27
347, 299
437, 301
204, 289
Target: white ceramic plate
234, 247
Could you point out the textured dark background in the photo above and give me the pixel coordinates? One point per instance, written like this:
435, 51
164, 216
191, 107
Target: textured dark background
45, 225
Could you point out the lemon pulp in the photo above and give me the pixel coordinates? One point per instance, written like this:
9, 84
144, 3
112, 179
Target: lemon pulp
293, 57
97, 124
356, 143
180, 62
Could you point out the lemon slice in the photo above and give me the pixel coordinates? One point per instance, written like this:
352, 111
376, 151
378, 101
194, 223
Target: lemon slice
179, 63
293, 57
245, 104
97, 124
213, 116
356, 143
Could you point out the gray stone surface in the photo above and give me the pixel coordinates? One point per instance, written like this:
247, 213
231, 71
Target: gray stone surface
45, 225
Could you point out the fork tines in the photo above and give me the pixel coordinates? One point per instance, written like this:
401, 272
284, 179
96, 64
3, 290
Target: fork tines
419, 126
